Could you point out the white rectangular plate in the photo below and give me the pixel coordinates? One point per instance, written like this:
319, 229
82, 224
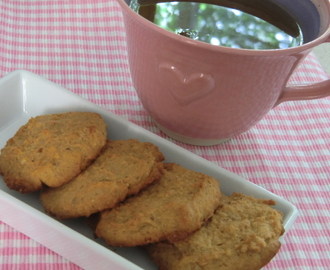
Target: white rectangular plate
24, 95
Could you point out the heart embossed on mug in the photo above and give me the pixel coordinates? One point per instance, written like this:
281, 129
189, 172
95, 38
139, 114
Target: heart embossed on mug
185, 88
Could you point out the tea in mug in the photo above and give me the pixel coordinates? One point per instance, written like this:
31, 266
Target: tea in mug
220, 25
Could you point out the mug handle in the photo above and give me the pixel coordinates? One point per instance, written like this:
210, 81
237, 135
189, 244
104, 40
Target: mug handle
305, 92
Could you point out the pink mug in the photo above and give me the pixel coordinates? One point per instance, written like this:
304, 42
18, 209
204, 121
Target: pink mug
204, 94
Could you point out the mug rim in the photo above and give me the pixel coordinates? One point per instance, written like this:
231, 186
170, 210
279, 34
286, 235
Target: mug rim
324, 37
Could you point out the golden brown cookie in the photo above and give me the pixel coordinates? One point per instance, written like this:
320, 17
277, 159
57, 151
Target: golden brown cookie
242, 235
51, 150
170, 208
123, 169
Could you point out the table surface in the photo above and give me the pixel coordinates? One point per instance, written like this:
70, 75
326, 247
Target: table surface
80, 45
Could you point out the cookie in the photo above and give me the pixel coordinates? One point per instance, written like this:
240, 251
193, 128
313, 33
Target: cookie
170, 208
51, 150
124, 168
242, 235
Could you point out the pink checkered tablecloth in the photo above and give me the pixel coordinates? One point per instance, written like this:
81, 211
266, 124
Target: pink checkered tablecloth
80, 45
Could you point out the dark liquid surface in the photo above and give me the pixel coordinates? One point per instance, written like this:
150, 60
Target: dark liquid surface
219, 25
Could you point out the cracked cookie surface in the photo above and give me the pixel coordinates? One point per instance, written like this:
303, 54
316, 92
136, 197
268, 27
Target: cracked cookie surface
51, 150
171, 208
242, 235
122, 169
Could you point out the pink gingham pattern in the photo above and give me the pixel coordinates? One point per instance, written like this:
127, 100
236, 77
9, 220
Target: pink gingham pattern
80, 45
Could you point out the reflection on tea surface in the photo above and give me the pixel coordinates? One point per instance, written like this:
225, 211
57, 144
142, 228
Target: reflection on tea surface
218, 25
